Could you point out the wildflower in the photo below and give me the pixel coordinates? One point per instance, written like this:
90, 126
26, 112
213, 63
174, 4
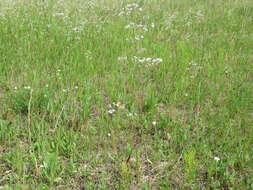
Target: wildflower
131, 114
216, 158
148, 60
111, 111
154, 123
76, 29
139, 37
118, 105
27, 87
136, 26
129, 8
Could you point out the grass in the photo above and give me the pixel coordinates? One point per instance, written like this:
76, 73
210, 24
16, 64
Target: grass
126, 95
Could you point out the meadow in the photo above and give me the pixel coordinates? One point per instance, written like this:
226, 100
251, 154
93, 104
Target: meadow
134, 94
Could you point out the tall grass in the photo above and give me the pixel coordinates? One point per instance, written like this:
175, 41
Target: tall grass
126, 95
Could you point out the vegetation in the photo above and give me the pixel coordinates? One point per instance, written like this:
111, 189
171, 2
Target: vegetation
108, 94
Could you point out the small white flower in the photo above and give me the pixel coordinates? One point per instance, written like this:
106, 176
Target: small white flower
148, 59
27, 87
76, 87
139, 37
109, 134
111, 111
131, 114
76, 29
216, 158
64, 90
15, 88
154, 123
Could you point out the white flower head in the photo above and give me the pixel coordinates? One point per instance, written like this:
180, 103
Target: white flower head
27, 87
111, 111
216, 158
154, 123
131, 114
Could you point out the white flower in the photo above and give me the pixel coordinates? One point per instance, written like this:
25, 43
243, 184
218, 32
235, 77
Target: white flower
109, 134
15, 88
131, 114
118, 105
76, 29
216, 158
148, 60
27, 87
154, 123
139, 37
111, 111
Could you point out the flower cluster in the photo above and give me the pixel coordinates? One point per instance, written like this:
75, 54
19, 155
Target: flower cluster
141, 28
114, 107
129, 8
148, 60
27, 87
133, 25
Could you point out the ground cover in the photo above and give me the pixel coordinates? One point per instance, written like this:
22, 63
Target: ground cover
126, 95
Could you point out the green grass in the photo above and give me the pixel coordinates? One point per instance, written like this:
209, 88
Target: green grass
83, 105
